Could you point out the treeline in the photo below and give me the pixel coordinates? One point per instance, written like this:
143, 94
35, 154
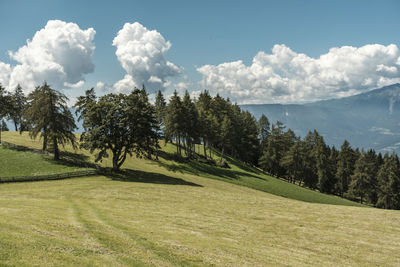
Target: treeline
128, 124
357, 175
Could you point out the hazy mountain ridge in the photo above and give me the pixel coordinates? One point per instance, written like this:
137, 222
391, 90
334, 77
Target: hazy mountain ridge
369, 120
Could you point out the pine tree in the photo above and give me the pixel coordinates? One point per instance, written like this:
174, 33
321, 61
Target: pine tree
203, 106
190, 124
174, 121
321, 154
359, 180
389, 183
292, 161
345, 168
310, 171
225, 135
263, 129
274, 150
49, 115
83, 102
160, 110
4, 104
17, 106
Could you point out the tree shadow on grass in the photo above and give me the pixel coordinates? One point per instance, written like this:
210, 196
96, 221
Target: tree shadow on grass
69, 159
128, 175
193, 166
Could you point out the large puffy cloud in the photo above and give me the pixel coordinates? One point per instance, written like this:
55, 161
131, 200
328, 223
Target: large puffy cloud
5, 71
289, 77
141, 53
60, 53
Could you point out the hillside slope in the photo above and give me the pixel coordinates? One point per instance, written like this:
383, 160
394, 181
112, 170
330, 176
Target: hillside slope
238, 173
166, 214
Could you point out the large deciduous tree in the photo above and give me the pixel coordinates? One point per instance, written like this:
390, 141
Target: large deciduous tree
122, 124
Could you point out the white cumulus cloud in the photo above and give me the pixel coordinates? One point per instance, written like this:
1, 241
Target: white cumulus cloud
60, 53
5, 71
141, 53
289, 77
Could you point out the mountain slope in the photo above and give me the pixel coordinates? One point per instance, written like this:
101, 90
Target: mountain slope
369, 120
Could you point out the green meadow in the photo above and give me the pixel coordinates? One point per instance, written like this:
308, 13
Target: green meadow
182, 213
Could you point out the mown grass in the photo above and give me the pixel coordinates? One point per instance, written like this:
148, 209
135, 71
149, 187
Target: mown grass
165, 213
24, 163
238, 173
97, 221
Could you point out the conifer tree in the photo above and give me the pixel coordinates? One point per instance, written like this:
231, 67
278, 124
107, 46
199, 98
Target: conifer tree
4, 104
17, 106
274, 150
322, 163
389, 183
83, 102
160, 109
292, 161
359, 180
263, 129
345, 168
190, 124
49, 115
310, 171
225, 135
203, 106
174, 120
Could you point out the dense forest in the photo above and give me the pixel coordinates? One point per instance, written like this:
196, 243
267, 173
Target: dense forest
128, 124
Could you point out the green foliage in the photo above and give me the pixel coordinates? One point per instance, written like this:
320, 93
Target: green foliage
389, 183
17, 107
263, 129
345, 167
160, 108
3, 126
48, 114
122, 124
293, 162
83, 102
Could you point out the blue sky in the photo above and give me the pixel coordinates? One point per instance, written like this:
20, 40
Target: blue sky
210, 33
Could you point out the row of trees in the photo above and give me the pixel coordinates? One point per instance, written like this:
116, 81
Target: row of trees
43, 112
351, 173
213, 121
122, 125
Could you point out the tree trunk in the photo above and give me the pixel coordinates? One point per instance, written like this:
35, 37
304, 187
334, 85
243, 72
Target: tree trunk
115, 163
56, 151
0, 135
205, 149
222, 156
44, 142
210, 152
16, 126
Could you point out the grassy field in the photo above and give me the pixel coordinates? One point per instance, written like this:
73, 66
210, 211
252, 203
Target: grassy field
167, 214
239, 173
98, 221
24, 163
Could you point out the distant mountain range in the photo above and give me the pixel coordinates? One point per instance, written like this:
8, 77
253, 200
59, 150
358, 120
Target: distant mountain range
368, 120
